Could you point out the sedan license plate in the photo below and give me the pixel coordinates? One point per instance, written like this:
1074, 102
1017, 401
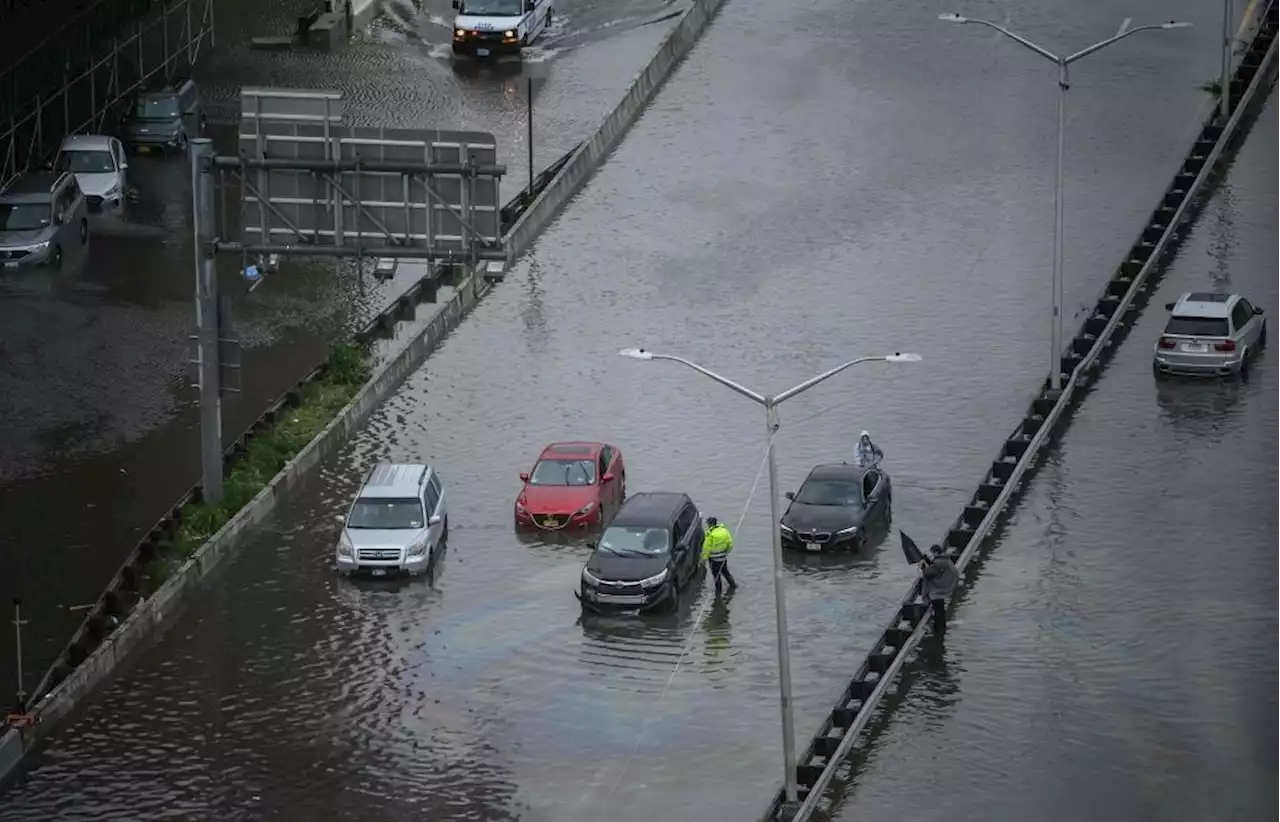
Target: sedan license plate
549, 523
812, 546
10, 265
482, 52
1198, 348
622, 599
379, 572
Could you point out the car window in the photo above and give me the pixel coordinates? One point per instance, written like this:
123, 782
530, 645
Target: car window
24, 216
163, 107
829, 492
1240, 315
386, 513
87, 162
564, 472
433, 498
1197, 326
64, 199
685, 521
435, 483
635, 541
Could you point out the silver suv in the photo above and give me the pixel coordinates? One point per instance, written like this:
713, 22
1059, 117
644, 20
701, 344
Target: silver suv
41, 215
396, 524
98, 162
1210, 335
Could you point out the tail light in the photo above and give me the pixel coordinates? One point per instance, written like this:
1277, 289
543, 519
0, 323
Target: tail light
1165, 342
1225, 345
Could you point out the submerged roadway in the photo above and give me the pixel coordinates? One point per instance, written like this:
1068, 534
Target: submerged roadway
1115, 657
100, 430
769, 216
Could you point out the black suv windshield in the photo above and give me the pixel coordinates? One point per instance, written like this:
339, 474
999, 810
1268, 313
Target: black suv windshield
829, 492
87, 162
156, 108
23, 216
390, 514
563, 472
1197, 326
641, 542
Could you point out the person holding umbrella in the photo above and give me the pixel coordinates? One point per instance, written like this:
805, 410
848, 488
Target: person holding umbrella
939, 578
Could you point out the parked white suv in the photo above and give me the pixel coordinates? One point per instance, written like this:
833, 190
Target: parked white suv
396, 524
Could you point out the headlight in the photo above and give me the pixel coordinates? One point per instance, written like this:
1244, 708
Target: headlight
460, 33
417, 549
509, 34
655, 580
847, 532
584, 510
520, 507
786, 529
344, 546
588, 578
112, 192
38, 247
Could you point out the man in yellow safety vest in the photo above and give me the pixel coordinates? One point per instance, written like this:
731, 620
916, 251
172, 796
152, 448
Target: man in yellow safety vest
716, 546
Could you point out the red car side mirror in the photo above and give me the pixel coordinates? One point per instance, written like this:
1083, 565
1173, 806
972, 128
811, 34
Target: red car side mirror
608, 477
524, 476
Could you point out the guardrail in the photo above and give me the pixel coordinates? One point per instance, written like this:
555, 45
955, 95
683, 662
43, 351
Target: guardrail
1092, 346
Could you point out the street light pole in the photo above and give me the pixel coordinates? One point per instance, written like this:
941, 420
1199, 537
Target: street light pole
772, 425
1055, 341
1224, 84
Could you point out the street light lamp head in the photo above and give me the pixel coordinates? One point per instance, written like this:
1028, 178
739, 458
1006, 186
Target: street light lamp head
953, 18
903, 358
1174, 24
635, 354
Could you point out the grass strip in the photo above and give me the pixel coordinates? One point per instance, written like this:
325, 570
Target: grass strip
346, 370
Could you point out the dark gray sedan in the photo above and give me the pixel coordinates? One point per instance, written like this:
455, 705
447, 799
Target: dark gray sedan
836, 507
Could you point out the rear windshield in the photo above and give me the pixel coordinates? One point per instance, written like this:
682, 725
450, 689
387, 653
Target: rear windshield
1197, 326
386, 513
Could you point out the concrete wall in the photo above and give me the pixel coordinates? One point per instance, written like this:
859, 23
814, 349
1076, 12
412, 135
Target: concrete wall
675, 46
150, 618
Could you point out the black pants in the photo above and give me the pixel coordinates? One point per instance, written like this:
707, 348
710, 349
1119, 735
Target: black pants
720, 568
939, 615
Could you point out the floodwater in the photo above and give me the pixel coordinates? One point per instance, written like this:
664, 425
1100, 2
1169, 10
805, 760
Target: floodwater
101, 431
771, 215
1115, 658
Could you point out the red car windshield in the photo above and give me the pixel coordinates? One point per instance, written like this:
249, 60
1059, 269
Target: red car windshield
564, 472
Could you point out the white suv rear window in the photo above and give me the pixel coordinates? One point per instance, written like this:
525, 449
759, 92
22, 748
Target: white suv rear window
1197, 327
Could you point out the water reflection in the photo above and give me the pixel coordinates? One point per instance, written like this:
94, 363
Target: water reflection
1222, 231
1200, 408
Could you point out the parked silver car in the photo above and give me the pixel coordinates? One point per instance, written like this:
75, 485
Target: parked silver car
99, 164
41, 215
1210, 335
396, 524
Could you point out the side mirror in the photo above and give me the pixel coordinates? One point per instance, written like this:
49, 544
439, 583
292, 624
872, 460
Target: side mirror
790, 495
456, 5
608, 477
1257, 309
339, 518
591, 544
433, 521
123, 165
524, 476
1169, 306
58, 218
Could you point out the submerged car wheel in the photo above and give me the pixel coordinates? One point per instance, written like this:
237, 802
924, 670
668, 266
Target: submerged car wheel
674, 597
84, 232
55, 256
1243, 373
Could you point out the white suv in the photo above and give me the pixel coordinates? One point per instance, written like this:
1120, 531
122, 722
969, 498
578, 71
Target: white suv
396, 524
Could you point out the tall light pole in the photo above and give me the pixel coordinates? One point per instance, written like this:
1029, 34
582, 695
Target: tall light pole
1055, 361
771, 404
1224, 90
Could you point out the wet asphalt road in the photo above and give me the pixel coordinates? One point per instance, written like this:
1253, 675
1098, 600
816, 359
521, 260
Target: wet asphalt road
1116, 657
100, 433
769, 220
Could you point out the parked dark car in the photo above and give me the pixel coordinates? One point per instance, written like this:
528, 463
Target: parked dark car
837, 506
646, 557
164, 119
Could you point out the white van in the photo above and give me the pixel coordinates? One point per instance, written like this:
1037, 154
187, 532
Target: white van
487, 28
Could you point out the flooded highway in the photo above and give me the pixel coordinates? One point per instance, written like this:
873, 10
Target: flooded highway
1116, 656
771, 215
100, 433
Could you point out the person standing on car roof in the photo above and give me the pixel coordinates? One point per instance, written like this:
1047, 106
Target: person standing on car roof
867, 454
940, 578
716, 546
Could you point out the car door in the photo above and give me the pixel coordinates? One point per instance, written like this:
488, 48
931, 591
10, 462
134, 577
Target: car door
122, 164
609, 499
1246, 324
431, 499
689, 552
871, 495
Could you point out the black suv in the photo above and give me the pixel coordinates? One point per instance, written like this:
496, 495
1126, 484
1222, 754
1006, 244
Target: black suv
650, 551
164, 118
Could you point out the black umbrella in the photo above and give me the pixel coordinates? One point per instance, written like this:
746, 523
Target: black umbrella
910, 550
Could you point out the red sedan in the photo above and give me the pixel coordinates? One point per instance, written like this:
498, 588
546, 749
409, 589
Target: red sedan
572, 485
